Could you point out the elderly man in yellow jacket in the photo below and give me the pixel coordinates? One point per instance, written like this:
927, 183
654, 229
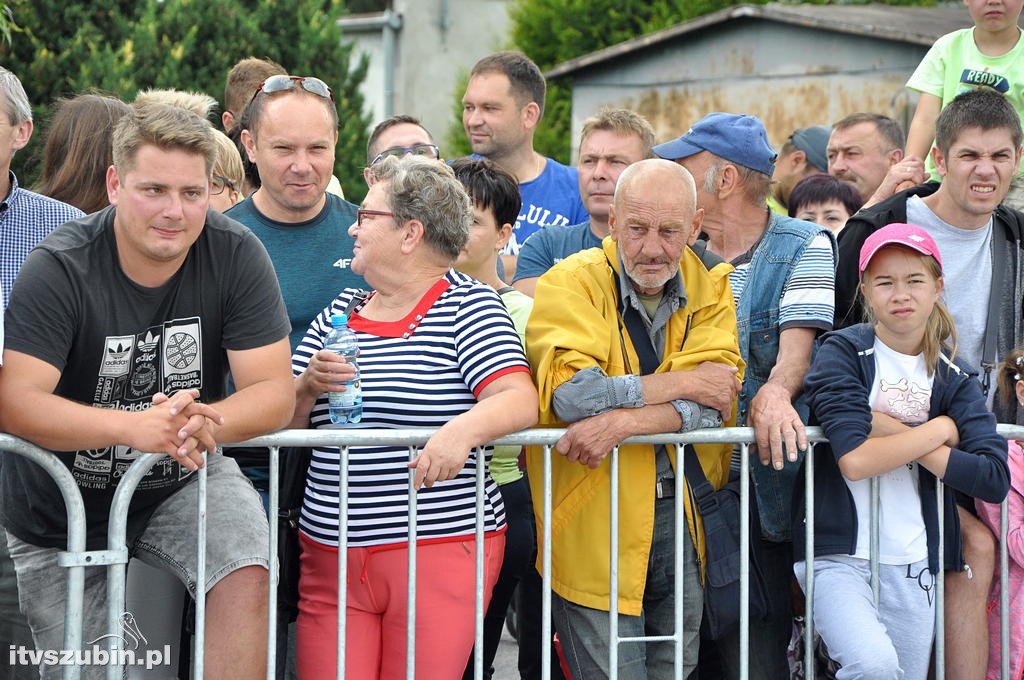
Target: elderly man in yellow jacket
587, 369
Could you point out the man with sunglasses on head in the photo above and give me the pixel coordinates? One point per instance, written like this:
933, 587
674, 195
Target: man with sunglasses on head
290, 129
400, 135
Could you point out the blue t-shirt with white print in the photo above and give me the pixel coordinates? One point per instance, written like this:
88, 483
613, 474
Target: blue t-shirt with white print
552, 244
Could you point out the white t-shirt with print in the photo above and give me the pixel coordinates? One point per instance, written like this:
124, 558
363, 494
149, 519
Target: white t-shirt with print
903, 390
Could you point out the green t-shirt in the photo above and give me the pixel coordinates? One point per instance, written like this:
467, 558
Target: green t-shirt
954, 65
504, 465
776, 207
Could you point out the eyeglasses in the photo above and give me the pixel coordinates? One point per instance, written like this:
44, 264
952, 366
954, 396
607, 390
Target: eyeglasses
425, 150
282, 83
365, 212
218, 184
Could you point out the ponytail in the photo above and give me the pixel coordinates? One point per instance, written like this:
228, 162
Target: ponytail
939, 334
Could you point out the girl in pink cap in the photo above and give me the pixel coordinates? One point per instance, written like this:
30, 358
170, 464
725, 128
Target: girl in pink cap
895, 405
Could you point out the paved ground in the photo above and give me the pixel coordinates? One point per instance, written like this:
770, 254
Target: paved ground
505, 661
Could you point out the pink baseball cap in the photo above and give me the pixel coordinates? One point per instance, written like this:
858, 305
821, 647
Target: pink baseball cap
898, 234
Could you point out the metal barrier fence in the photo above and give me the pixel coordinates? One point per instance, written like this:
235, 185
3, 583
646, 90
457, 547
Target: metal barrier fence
115, 558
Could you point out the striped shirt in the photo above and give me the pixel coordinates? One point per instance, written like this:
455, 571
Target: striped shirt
809, 297
26, 218
421, 371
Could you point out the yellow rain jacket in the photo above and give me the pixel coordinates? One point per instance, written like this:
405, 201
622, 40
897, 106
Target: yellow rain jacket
575, 325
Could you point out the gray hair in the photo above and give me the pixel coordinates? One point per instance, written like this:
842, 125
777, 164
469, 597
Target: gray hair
755, 184
427, 190
16, 101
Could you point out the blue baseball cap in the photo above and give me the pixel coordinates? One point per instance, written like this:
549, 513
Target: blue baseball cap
739, 139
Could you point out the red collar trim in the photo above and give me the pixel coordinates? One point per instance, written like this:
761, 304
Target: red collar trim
403, 328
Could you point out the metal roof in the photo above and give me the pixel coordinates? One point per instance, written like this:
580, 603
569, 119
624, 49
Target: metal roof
916, 25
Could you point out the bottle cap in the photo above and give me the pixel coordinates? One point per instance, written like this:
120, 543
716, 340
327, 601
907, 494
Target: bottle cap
338, 320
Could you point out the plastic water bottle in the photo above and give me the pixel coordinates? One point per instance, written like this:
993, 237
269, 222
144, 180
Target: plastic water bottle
347, 406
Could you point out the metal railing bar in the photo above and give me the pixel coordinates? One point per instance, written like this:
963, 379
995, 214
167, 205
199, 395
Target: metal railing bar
410, 622
613, 571
744, 560
117, 530
478, 608
545, 608
682, 534
274, 575
199, 657
115, 561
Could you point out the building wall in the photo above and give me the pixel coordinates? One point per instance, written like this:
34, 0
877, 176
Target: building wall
438, 44
789, 76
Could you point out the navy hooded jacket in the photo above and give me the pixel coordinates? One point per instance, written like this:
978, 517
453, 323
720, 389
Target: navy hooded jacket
838, 386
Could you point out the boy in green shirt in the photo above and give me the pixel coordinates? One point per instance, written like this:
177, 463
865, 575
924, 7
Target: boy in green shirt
989, 54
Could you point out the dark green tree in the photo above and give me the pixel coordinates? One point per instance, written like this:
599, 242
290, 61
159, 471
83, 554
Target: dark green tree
553, 31
120, 47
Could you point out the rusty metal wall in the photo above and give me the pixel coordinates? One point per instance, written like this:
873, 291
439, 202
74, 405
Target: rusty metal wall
789, 76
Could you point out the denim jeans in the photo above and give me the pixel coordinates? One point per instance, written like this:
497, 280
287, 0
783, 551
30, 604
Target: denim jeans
14, 630
584, 632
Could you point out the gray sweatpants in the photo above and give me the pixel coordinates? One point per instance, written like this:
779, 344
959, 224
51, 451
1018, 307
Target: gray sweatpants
892, 640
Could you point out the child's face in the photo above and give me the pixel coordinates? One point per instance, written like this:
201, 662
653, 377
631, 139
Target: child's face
901, 291
830, 214
994, 15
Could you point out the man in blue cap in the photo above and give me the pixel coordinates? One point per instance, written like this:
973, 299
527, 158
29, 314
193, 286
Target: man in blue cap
784, 288
803, 154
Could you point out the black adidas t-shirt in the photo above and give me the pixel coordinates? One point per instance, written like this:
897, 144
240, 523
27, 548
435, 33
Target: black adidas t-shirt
117, 344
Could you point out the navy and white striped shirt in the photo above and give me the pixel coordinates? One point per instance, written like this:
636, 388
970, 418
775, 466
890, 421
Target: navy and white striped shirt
421, 371
26, 218
808, 298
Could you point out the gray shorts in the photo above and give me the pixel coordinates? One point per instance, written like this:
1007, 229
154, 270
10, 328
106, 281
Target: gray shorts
236, 536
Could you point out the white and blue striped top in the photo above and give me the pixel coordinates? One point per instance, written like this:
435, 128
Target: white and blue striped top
421, 371
809, 296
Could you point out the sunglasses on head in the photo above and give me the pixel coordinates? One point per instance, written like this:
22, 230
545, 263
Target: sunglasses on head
282, 83
426, 150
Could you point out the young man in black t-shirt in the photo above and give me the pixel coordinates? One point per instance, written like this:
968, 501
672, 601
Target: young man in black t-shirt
121, 330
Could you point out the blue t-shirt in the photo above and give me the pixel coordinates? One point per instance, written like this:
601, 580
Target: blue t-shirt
552, 198
312, 258
551, 244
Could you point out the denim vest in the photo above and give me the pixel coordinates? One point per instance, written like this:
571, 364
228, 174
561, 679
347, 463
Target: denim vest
757, 317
